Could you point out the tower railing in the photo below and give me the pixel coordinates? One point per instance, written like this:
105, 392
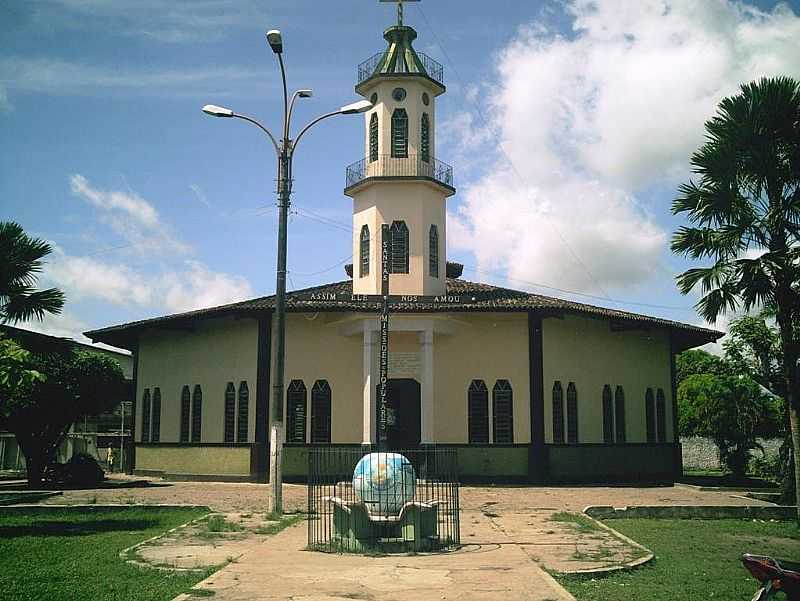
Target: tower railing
433, 68
411, 166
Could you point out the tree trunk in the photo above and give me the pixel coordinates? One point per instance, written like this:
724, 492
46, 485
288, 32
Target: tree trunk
791, 375
794, 422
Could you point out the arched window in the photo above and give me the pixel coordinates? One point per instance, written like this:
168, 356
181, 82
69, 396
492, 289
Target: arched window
155, 436
399, 134
608, 415
185, 400
321, 412
478, 412
373, 138
619, 413
296, 412
433, 252
243, 415
399, 237
558, 413
146, 415
650, 415
197, 413
425, 138
572, 414
503, 409
230, 412
661, 415
364, 251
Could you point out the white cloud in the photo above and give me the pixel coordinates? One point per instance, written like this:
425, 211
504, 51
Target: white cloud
5, 103
590, 119
198, 288
86, 277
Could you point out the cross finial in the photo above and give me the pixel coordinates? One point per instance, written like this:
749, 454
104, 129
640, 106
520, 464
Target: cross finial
399, 9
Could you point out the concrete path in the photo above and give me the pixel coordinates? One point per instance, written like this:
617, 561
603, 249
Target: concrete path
494, 569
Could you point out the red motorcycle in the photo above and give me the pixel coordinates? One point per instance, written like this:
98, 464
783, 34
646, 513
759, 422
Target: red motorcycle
774, 575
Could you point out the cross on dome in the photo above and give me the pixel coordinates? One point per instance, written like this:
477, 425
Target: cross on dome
399, 9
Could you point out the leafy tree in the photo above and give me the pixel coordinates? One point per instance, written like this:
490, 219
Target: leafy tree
698, 361
68, 386
748, 199
730, 410
753, 347
20, 263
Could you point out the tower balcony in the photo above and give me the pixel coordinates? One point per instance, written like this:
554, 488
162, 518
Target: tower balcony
377, 65
412, 167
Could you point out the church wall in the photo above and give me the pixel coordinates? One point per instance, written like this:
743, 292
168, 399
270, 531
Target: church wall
216, 352
214, 460
585, 351
488, 347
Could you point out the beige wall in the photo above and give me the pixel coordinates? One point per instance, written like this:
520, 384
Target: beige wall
585, 351
216, 352
195, 460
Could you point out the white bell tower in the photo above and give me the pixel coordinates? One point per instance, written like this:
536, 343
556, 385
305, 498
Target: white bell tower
400, 182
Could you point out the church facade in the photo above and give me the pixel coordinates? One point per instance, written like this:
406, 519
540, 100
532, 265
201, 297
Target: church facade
526, 387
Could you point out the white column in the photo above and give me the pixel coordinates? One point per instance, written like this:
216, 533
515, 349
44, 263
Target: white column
426, 369
370, 381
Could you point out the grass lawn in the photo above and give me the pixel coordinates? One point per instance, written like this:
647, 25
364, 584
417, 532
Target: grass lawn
56, 555
695, 559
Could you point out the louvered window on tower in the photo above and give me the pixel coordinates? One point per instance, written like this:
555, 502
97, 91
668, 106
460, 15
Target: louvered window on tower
619, 414
399, 134
146, 415
364, 252
296, 412
230, 412
650, 415
243, 414
433, 252
155, 436
425, 138
373, 138
503, 409
608, 415
558, 413
185, 400
321, 412
399, 243
572, 414
478, 412
197, 413
661, 416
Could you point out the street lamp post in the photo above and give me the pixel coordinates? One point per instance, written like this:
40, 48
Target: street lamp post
284, 151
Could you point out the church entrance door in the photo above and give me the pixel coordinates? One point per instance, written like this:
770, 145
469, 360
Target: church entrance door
404, 429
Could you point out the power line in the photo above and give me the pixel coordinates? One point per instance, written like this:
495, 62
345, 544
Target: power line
327, 269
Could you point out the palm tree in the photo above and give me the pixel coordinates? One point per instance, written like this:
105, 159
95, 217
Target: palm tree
20, 264
745, 216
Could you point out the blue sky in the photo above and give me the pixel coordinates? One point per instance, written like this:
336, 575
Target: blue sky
569, 125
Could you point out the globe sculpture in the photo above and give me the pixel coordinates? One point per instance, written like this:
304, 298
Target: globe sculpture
384, 482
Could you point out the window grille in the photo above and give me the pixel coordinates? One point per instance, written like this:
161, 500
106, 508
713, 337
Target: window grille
155, 436
608, 415
558, 413
650, 415
373, 138
425, 138
185, 399
146, 415
296, 412
364, 251
433, 252
230, 412
321, 412
197, 413
399, 238
243, 416
503, 408
478, 412
572, 414
619, 413
400, 134
661, 415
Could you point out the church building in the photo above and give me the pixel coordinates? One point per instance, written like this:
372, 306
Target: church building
526, 387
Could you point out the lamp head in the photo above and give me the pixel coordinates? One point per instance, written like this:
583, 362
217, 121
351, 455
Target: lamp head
305, 93
275, 40
361, 106
217, 111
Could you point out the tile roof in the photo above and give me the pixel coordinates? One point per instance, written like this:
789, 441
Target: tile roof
475, 297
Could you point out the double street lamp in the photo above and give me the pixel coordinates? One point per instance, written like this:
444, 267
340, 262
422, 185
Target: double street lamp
284, 149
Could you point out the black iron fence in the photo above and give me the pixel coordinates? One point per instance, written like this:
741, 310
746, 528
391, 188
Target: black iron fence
433, 68
388, 166
397, 501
